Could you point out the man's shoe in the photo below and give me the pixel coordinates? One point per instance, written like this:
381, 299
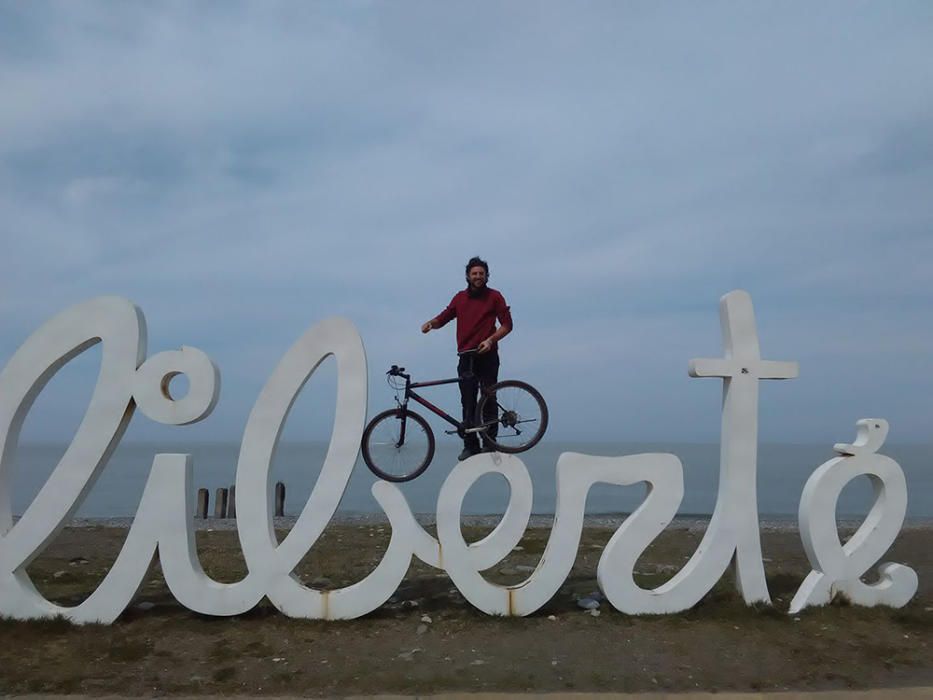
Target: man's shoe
467, 453
488, 448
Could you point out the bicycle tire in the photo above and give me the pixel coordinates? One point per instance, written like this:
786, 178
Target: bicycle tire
503, 419
377, 459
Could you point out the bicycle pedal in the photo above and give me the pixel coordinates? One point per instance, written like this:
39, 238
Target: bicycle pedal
450, 432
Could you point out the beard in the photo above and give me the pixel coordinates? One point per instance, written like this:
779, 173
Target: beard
473, 291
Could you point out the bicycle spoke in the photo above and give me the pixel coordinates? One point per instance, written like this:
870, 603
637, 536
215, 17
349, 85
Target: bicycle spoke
515, 407
392, 458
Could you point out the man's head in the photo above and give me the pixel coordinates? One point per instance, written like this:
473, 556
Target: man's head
477, 273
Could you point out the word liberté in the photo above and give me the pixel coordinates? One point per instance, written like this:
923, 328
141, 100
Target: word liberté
164, 520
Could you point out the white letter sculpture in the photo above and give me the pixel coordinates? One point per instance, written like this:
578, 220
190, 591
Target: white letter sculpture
164, 521
837, 568
733, 529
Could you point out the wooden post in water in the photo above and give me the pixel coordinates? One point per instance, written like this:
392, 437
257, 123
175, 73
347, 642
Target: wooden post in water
231, 502
279, 499
220, 503
203, 498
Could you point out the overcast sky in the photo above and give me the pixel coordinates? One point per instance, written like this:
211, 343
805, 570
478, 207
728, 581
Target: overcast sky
243, 170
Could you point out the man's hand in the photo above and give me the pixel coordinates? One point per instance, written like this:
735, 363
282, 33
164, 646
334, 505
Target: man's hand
485, 346
427, 326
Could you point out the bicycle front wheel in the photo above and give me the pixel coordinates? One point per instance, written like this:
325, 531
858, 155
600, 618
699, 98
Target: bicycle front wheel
398, 445
514, 414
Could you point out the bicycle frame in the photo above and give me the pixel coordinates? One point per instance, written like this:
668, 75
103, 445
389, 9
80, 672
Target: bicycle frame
411, 394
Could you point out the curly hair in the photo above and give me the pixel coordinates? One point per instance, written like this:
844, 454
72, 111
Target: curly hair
477, 261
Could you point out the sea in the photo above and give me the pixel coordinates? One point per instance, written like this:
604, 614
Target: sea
782, 472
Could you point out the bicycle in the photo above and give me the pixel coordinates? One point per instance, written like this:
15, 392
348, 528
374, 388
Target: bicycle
398, 444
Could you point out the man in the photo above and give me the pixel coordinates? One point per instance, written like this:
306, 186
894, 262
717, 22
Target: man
476, 308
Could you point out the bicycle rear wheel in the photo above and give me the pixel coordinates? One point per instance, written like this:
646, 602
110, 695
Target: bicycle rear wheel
520, 416
391, 456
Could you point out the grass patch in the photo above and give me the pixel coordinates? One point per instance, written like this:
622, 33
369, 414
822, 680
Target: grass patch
224, 674
129, 651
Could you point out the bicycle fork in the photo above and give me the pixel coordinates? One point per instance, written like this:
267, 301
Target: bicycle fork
404, 420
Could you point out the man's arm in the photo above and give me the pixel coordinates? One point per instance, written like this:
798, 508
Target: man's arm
504, 316
491, 341
441, 319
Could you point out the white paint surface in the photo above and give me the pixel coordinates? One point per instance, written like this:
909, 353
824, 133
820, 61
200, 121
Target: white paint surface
164, 522
838, 568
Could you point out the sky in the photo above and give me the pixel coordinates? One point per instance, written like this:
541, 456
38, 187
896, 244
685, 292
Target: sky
242, 170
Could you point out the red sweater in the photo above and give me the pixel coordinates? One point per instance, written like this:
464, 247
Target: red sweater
476, 316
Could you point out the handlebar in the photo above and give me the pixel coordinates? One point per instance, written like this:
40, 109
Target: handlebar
396, 371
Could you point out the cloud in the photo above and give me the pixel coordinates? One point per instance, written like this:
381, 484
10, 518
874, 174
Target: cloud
245, 169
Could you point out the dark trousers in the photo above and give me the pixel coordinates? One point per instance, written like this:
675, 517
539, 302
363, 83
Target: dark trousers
476, 372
